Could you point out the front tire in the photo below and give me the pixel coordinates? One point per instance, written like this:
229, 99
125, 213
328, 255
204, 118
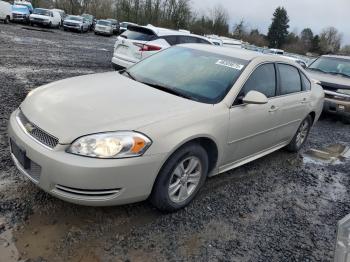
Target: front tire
300, 137
7, 20
180, 178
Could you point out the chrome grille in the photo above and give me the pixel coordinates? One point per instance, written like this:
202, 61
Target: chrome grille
36, 132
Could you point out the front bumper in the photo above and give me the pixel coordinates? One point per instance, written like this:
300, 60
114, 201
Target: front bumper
84, 180
36, 22
74, 27
335, 106
102, 32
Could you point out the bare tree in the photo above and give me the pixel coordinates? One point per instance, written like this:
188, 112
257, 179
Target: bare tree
330, 40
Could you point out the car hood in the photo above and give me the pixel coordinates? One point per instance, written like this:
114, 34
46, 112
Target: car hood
329, 80
97, 103
72, 21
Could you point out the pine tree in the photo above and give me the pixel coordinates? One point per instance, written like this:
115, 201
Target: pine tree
278, 30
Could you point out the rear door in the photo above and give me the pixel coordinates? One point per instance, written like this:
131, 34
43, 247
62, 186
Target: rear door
293, 99
129, 45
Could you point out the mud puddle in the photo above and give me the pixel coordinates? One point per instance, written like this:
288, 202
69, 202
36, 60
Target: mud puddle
76, 233
8, 250
333, 154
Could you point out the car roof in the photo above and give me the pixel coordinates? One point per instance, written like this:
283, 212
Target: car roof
338, 56
237, 53
160, 31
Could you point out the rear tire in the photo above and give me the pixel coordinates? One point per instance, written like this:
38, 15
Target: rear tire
301, 135
180, 179
346, 120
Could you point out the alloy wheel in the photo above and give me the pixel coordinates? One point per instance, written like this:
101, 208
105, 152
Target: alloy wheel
185, 179
302, 133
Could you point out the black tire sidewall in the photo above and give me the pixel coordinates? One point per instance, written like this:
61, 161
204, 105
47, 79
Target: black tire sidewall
160, 197
293, 147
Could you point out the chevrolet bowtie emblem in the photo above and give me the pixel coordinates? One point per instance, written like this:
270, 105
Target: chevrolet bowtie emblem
29, 127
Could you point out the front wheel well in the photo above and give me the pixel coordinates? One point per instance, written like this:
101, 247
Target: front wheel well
209, 146
313, 116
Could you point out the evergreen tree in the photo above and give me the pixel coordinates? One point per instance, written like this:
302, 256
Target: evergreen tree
278, 30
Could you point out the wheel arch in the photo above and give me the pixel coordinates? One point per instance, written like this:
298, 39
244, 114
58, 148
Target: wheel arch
207, 142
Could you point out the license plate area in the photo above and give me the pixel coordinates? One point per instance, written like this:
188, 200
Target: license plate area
122, 49
20, 155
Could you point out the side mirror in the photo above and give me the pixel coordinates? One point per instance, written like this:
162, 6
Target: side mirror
255, 97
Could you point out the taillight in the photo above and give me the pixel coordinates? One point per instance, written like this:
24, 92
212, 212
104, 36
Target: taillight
146, 48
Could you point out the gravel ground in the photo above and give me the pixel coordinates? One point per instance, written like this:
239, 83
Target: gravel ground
283, 207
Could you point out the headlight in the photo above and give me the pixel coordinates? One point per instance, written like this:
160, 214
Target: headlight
111, 145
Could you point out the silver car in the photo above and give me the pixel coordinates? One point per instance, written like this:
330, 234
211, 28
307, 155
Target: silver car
159, 129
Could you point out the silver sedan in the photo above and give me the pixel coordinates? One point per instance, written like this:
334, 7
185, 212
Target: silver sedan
157, 130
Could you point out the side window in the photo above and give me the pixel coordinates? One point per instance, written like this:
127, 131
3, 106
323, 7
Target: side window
263, 80
306, 82
290, 79
187, 39
202, 41
171, 39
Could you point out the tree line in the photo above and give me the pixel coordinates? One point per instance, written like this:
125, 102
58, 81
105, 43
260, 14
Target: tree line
178, 14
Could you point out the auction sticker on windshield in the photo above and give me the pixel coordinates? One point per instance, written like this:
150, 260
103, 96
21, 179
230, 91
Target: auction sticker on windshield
229, 64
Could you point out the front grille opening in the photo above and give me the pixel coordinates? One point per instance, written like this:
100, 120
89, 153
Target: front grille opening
36, 132
88, 192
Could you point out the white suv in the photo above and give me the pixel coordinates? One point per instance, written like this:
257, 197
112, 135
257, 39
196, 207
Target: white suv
139, 42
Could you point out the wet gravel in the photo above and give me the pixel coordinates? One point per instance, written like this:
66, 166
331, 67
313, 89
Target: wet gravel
283, 207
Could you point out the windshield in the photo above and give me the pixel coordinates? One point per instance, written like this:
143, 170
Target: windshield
124, 24
39, 11
74, 18
20, 8
332, 65
106, 23
199, 75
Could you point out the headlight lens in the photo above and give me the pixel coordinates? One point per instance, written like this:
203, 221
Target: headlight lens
111, 145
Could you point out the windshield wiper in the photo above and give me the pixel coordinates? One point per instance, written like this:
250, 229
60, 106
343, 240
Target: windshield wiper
170, 90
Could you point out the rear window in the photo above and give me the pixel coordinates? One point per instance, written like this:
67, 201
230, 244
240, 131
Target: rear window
138, 33
106, 23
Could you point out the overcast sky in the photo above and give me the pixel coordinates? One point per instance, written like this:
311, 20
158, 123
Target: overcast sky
316, 14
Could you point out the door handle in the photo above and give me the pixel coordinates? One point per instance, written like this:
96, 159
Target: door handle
304, 101
273, 109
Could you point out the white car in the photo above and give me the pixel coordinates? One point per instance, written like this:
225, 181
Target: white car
139, 42
45, 17
5, 12
275, 51
159, 129
104, 27
230, 42
77, 23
